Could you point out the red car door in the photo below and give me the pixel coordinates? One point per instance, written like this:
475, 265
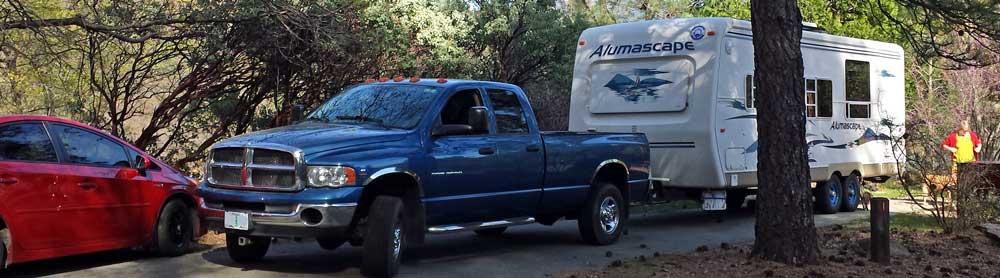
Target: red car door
29, 175
98, 196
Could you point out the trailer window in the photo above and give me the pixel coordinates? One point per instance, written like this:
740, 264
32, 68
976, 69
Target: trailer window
858, 92
811, 98
825, 98
640, 85
749, 92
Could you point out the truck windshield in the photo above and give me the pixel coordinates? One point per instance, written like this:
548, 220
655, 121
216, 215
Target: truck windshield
392, 106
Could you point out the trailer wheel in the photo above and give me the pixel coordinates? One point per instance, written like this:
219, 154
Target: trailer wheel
601, 220
246, 249
829, 195
852, 193
384, 240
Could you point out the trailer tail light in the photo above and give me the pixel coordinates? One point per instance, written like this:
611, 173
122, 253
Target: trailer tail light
711, 33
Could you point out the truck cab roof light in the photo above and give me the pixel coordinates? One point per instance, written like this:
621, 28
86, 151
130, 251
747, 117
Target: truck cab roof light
369, 80
442, 80
383, 79
415, 79
398, 78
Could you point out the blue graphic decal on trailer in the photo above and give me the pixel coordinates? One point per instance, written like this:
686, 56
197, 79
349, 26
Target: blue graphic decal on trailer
634, 89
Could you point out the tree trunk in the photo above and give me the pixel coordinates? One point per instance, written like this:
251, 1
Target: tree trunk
785, 231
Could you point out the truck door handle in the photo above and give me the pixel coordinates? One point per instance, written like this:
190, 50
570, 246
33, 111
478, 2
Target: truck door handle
87, 185
487, 151
7, 180
533, 148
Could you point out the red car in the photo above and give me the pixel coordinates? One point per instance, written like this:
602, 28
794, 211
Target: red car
67, 189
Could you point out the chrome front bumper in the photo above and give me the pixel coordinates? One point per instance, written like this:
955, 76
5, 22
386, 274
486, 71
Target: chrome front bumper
336, 218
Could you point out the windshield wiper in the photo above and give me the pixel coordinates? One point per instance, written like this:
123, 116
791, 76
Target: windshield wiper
360, 118
317, 119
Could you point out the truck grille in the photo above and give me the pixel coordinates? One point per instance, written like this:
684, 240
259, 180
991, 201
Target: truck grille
253, 169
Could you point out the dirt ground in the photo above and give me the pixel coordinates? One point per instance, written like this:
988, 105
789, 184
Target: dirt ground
213, 238
844, 254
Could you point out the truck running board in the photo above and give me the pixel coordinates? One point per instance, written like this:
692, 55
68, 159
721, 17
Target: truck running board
480, 225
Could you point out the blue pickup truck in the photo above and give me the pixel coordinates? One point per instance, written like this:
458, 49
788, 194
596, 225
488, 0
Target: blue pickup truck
382, 164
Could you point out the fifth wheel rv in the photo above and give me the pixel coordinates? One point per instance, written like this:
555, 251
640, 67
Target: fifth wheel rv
688, 85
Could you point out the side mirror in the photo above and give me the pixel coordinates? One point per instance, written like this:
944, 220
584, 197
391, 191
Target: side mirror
446, 130
479, 119
141, 165
298, 111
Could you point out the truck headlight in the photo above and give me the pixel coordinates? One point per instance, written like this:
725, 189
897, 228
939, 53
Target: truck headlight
330, 176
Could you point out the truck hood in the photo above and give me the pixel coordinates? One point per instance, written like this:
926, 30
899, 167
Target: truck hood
315, 137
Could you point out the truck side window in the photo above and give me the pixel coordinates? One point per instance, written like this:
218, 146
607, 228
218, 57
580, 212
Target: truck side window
509, 112
456, 111
749, 91
26, 142
858, 79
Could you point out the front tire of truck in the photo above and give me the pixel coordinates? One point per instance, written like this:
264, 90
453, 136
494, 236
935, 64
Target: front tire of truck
246, 249
384, 238
601, 221
829, 195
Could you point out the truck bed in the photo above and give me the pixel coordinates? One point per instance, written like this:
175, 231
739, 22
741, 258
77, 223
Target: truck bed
572, 158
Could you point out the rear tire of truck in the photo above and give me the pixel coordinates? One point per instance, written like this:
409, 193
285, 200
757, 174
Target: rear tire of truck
852, 193
491, 231
174, 229
384, 239
330, 243
253, 249
601, 221
829, 195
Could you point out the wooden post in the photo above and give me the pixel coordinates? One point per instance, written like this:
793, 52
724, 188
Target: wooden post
880, 230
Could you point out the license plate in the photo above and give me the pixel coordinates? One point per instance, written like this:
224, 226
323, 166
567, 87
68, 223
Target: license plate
714, 204
237, 221
714, 200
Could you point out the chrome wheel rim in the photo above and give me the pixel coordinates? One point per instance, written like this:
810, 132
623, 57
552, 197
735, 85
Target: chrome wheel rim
852, 193
609, 215
397, 241
834, 194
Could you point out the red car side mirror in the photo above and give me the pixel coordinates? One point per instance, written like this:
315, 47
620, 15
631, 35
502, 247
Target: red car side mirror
127, 173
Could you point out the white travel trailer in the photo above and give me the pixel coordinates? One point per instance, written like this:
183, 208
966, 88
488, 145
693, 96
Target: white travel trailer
687, 83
